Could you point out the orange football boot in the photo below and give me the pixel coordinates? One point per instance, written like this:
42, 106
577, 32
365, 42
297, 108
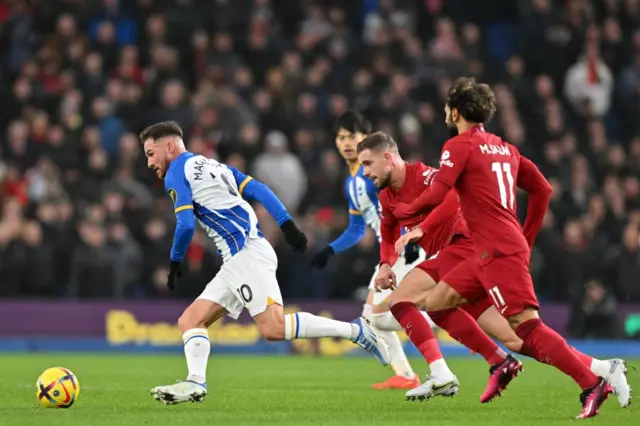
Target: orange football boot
398, 382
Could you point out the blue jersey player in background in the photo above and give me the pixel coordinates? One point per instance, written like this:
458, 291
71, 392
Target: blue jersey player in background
362, 197
217, 197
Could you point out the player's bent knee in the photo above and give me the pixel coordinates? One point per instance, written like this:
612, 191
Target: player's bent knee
523, 316
443, 297
188, 320
200, 314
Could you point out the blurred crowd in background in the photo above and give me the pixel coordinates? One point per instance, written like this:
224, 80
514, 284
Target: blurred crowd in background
258, 84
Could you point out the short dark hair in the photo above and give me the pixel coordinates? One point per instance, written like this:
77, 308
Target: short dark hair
352, 121
376, 141
161, 130
475, 101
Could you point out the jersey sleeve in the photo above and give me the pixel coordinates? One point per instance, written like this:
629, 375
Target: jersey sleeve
441, 214
354, 232
453, 160
533, 181
179, 191
253, 190
389, 232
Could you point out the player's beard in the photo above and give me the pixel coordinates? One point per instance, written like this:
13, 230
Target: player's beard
384, 181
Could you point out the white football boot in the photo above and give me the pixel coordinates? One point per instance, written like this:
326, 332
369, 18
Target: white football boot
182, 391
369, 340
616, 376
434, 387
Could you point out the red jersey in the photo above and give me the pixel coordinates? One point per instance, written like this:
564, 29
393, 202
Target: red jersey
485, 171
439, 225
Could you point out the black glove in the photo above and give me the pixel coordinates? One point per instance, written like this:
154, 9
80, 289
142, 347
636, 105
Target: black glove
175, 272
322, 257
411, 253
294, 236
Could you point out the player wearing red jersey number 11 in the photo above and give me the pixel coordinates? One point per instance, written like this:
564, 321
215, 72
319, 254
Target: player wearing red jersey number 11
485, 171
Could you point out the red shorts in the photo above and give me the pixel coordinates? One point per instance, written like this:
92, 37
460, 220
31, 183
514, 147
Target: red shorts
438, 265
506, 279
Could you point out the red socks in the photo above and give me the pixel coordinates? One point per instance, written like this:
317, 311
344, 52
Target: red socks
585, 359
548, 347
417, 329
462, 327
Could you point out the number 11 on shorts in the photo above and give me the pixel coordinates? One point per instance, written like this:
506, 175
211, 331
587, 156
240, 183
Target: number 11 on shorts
498, 300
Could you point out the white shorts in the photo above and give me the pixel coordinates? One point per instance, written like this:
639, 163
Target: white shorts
247, 280
401, 270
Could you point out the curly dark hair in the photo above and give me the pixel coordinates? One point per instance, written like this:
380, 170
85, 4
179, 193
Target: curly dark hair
475, 101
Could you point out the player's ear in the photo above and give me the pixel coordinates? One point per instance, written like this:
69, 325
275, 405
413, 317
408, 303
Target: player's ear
455, 115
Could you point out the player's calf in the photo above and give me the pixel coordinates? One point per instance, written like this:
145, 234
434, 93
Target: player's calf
402, 303
275, 325
193, 323
498, 327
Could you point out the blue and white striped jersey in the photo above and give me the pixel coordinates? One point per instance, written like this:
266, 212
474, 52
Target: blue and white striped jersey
362, 195
214, 193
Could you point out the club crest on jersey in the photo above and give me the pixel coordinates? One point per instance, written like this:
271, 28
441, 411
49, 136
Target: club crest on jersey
173, 195
444, 159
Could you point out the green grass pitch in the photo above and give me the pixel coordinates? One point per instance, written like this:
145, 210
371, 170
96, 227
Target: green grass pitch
246, 390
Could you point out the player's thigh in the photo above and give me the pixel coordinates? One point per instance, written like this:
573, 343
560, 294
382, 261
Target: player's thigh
508, 283
413, 288
458, 286
246, 281
201, 313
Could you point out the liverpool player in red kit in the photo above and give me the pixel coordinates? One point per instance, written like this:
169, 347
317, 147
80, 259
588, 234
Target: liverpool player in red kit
448, 238
484, 170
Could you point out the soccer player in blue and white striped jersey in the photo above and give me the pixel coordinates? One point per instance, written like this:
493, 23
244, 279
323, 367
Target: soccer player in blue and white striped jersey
217, 197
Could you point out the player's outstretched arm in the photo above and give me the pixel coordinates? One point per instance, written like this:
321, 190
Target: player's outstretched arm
180, 193
252, 190
441, 214
349, 238
533, 181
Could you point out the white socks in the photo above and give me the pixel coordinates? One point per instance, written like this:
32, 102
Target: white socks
398, 359
196, 349
303, 325
440, 370
387, 327
367, 310
385, 321
600, 367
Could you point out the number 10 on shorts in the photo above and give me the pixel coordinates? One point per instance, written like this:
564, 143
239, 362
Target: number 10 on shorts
498, 300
